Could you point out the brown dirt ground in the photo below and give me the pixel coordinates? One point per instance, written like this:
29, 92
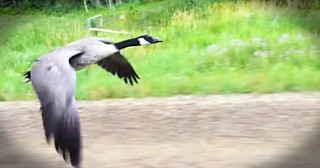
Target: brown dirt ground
217, 131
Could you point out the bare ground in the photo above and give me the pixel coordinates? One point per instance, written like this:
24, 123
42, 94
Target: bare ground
235, 131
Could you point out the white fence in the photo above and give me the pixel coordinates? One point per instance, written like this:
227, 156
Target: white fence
95, 24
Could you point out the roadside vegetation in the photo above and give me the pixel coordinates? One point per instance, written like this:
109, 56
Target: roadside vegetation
209, 48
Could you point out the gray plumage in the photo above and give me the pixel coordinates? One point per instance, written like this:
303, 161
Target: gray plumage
53, 78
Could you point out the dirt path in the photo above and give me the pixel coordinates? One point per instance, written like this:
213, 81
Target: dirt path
234, 131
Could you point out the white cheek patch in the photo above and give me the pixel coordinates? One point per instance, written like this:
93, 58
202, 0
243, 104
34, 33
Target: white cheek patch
142, 41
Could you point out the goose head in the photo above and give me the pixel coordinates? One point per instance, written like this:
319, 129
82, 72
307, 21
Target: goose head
147, 40
138, 41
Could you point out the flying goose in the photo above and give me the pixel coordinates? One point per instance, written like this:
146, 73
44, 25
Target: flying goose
53, 77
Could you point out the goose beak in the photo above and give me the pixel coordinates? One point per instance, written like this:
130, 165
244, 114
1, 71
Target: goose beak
155, 40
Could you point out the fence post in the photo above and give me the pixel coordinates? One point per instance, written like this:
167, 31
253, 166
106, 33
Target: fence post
109, 3
85, 5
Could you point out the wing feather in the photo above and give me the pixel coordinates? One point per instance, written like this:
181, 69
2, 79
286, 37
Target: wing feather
118, 65
54, 80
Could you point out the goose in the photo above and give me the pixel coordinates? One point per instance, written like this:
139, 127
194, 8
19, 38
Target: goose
53, 78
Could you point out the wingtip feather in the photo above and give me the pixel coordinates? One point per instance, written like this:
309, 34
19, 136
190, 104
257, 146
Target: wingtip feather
68, 139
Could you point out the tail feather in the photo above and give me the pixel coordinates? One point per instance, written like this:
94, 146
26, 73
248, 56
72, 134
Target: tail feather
27, 76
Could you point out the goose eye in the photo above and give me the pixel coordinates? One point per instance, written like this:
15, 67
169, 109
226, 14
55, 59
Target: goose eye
148, 38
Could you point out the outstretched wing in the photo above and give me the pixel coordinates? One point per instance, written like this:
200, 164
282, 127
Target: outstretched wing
117, 64
54, 80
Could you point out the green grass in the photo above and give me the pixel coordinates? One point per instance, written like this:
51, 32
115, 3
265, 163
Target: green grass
217, 48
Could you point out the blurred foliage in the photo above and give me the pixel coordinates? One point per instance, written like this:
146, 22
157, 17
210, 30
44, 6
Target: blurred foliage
299, 4
66, 5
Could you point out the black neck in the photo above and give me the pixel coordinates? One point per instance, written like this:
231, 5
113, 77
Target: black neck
127, 43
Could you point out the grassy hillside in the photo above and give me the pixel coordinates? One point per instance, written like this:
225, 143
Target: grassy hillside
209, 48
